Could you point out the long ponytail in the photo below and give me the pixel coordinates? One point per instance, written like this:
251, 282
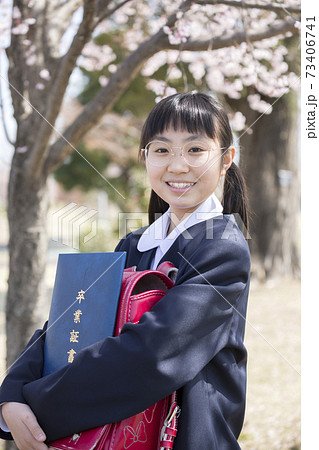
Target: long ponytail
156, 207
235, 200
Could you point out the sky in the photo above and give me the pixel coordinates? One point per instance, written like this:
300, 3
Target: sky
6, 149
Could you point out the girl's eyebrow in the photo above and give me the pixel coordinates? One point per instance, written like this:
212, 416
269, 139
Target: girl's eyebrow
190, 138
161, 138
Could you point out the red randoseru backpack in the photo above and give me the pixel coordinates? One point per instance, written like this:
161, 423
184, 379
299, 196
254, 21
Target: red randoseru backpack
156, 427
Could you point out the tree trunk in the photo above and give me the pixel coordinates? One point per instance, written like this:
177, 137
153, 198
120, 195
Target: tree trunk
270, 163
27, 212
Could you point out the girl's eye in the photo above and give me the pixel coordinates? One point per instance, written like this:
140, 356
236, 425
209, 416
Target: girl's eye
196, 150
161, 150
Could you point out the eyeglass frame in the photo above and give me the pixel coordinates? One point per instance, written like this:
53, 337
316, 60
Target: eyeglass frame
144, 149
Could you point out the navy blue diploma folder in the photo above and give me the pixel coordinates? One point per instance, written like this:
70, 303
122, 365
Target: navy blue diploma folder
84, 305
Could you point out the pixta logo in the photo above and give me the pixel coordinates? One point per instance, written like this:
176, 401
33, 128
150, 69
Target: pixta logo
70, 224
131, 221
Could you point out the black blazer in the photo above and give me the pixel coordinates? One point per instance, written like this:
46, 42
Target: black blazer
191, 341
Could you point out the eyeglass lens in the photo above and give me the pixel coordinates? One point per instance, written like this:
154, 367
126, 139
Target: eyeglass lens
160, 153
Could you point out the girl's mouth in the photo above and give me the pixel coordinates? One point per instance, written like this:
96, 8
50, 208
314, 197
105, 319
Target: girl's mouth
179, 187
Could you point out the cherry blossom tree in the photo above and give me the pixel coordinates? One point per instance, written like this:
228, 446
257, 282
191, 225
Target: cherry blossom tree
270, 161
235, 46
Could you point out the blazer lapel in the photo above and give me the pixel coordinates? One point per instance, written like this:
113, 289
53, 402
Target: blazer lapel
172, 254
146, 259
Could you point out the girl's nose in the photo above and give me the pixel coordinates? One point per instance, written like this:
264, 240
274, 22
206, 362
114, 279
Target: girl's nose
177, 163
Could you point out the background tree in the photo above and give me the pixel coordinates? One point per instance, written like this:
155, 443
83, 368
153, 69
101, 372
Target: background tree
270, 162
211, 36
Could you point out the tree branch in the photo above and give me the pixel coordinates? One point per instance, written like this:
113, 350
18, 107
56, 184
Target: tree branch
102, 5
237, 38
39, 152
276, 7
16, 72
55, 25
108, 95
108, 12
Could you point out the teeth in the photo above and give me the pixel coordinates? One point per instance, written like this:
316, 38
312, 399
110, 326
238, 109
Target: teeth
181, 185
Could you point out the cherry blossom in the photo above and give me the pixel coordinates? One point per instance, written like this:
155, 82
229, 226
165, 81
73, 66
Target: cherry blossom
39, 86
103, 80
96, 57
16, 13
259, 68
160, 88
258, 104
237, 121
22, 28
45, 74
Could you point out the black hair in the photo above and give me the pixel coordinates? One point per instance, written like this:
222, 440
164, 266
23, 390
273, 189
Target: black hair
197, 112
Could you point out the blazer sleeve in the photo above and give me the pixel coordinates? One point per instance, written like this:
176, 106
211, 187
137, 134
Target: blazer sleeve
27, 367
121, 376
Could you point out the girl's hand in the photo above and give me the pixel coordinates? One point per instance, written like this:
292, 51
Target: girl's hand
24, 427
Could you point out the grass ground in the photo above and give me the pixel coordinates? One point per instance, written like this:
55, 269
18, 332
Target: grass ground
273, 341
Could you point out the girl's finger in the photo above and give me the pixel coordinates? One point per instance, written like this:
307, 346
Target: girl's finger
34, 427
25, 440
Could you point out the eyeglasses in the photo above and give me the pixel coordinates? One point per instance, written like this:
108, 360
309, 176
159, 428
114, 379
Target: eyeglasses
195, 153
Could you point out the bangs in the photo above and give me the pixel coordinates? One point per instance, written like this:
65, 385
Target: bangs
191, 112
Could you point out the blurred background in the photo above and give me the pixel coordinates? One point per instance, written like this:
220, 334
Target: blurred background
77, 82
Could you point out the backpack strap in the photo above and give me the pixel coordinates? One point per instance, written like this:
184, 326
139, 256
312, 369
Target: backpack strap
169, 269
143, 289
169, 429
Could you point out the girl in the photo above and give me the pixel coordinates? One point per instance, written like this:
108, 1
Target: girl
192, 340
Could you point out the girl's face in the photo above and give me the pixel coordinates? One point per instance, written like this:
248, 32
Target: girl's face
201, 181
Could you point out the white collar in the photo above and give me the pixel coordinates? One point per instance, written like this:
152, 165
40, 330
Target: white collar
155, 234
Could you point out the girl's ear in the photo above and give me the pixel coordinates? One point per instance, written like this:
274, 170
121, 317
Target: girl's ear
228, 159
142, 155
